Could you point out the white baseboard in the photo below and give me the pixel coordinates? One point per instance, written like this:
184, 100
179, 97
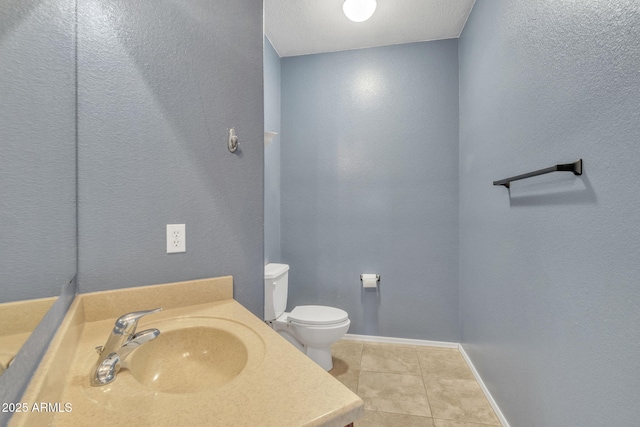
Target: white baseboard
404, 341
484, 388
445, 344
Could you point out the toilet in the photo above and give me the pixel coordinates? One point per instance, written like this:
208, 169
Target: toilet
311, 328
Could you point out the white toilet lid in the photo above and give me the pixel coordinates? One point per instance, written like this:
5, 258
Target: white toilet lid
317, 315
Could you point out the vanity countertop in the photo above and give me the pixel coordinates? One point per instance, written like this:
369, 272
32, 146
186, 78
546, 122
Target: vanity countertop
279, 387
19, 319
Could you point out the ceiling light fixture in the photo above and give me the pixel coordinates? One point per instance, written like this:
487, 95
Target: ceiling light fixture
359, 10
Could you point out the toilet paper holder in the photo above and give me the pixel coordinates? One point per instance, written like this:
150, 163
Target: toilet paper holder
370, 281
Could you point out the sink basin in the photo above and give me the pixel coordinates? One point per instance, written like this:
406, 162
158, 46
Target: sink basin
192, 355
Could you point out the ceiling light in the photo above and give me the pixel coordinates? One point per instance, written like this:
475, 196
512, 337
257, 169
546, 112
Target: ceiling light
359, 10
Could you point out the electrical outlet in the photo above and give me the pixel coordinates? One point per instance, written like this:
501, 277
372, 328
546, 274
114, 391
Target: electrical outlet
176, 238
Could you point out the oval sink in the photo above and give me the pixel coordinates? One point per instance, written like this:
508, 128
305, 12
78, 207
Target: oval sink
189, 359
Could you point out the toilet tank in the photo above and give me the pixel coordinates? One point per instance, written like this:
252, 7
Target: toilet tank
276, 287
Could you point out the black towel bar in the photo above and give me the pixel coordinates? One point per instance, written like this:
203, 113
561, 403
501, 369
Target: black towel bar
575, 167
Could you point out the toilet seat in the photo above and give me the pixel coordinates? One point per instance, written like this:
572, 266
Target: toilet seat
317, 315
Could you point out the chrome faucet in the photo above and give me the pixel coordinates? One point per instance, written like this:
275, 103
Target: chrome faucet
122, 341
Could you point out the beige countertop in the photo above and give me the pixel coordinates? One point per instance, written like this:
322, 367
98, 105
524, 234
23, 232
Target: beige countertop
19, 319
279, 386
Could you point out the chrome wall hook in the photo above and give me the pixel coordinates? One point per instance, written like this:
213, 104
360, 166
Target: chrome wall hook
232, 143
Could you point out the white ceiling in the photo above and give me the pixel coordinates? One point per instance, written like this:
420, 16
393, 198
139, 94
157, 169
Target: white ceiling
301, 27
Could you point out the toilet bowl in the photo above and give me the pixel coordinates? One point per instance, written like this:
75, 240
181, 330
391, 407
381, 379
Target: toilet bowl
310, 328
314, 328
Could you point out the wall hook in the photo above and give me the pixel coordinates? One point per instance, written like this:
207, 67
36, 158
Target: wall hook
232, 143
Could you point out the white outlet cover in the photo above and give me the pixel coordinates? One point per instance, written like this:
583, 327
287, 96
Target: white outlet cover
176, 238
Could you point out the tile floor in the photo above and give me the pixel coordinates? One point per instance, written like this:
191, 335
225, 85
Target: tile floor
411, 386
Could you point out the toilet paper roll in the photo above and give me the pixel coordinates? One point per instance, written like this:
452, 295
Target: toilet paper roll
369, 280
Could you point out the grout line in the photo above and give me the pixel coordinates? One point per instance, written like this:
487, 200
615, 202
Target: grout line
475, 423
418, 416
424, 385
484, 388
359, 372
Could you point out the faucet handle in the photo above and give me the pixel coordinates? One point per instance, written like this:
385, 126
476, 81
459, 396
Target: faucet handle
127, 323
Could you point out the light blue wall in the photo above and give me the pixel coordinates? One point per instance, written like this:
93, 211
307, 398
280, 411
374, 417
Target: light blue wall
272, 252
549, 271
159, 84
370, 185
38, 145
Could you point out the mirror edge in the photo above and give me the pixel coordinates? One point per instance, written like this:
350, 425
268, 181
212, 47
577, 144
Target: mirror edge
16, 378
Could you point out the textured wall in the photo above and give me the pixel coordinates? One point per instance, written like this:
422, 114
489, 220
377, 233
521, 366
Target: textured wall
38, 140
159, 84
369, 185
549, 271
272, 97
